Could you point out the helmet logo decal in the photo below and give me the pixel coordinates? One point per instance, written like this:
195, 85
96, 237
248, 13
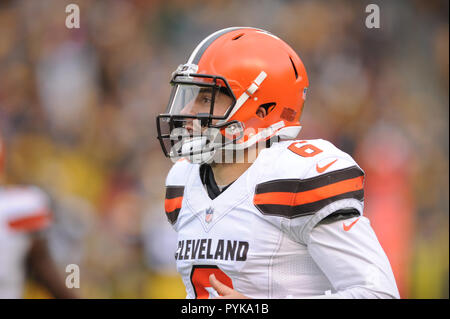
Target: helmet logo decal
288, 114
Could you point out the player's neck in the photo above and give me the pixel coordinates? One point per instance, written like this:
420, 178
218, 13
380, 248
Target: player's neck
226, 173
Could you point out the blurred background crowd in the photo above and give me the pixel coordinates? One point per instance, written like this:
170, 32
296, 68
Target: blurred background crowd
78, 107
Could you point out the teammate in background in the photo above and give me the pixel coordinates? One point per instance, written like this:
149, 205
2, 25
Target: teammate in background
24, 217
280, 221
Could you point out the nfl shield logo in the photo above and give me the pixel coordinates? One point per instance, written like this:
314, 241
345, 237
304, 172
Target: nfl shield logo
209, 215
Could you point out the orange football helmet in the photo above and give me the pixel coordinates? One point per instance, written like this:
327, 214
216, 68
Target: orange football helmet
254, 69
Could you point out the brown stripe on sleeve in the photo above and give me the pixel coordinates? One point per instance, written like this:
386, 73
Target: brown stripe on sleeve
293, 198
174, 191
172, 204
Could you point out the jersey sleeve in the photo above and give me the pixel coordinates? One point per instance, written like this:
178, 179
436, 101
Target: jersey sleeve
28, 210
350, 256
175, 183
339, 191
317, 180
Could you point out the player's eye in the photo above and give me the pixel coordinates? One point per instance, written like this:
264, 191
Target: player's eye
205, 99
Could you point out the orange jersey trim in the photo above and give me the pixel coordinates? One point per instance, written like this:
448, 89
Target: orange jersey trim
30, 223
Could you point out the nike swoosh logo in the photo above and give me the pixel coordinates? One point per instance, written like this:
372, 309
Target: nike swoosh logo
324, 168
347, 228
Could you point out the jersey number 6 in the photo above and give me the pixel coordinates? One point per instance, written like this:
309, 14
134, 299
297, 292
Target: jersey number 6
200, 280
306, 150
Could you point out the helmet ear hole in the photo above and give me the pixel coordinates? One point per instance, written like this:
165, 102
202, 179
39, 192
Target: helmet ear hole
268, 107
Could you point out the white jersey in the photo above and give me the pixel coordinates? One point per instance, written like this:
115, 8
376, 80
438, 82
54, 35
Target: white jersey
265, 237
22, 211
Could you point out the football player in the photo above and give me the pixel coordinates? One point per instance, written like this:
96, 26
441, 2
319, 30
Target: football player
260, 214
24, 217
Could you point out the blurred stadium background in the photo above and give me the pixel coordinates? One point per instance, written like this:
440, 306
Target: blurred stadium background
78, 107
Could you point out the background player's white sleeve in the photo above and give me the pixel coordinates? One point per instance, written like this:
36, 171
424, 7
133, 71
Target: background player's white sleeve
352, 259
25, 209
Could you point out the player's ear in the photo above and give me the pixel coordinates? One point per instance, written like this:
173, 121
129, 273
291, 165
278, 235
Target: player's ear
261, 112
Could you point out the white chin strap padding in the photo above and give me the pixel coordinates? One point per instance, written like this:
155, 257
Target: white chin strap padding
195, 144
